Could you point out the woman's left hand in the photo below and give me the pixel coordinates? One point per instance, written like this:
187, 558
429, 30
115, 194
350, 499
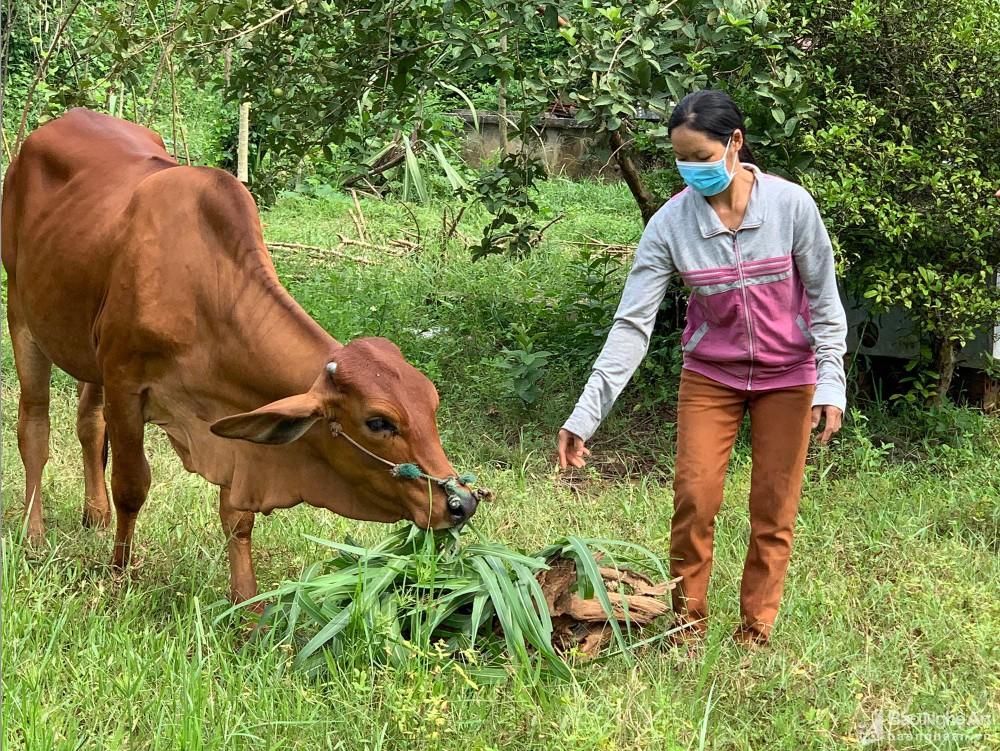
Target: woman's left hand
833, 419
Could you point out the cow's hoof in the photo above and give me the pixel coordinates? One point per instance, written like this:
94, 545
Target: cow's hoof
36, 533
94, 518
34, 539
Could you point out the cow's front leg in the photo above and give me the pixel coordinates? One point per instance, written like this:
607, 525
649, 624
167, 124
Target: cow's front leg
237, 525
129, 470
92, 431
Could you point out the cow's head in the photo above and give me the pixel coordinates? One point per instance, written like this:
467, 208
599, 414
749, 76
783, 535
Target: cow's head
370, 393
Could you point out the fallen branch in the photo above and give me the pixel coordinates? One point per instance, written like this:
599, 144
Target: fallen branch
395, 154
380, 248
610, 248
450, 229
405, 243
396, 160
317, 249
538, 237
372, 191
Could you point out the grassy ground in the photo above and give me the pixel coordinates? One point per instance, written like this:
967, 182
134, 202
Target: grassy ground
890, 603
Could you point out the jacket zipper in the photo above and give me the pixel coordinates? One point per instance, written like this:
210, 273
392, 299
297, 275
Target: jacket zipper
746, 307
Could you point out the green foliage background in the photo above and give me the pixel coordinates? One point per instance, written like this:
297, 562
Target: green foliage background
885, 111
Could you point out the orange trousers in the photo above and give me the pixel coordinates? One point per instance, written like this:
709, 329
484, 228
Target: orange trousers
708, 417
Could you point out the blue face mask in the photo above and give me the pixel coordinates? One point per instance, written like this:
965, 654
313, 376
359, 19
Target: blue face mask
707, 178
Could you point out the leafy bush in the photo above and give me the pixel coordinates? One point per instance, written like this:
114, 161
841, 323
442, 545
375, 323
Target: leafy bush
905, 159
525, 368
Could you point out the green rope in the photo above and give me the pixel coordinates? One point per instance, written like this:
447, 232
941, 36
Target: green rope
410, 471
407, 471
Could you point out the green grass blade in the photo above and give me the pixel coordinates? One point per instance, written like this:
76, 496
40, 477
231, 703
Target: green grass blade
505, 553
530, 582
606, 546
412, 173
585, 561
511, 629
454, 178
323, 636
481, 611
363, 553
523, 612
468, 103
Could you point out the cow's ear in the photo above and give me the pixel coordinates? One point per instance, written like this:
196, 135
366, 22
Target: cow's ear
282, 421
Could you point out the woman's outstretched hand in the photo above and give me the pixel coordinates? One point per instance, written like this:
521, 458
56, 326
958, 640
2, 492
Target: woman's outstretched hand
833, 419
571, 450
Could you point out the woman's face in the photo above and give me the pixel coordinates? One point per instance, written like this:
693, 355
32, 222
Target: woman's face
694, 146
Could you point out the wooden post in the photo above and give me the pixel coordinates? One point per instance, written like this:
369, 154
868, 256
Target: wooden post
242, 170
502, 103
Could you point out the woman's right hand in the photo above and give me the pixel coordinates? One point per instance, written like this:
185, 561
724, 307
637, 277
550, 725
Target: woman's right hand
571, 450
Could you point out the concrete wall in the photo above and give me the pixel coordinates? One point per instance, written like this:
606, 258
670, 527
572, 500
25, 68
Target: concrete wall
566, 147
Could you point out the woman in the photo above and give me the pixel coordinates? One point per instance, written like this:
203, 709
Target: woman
765, 334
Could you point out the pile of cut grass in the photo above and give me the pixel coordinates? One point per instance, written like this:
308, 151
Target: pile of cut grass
418, 590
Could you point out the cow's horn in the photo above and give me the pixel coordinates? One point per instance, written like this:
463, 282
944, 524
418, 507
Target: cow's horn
331, 368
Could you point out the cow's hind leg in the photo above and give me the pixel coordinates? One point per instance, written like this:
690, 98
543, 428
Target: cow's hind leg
129, 470
34, 372
238, 527
93, 434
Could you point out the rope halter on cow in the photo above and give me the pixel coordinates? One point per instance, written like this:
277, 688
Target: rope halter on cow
410, 471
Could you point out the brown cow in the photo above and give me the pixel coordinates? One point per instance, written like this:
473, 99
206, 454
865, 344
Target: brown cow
150, 284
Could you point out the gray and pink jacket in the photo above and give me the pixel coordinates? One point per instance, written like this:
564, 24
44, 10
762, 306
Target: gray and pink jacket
764, 311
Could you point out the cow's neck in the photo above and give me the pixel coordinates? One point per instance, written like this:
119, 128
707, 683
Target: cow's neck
280, 349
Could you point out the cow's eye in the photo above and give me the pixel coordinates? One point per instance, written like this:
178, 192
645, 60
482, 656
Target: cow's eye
381, 425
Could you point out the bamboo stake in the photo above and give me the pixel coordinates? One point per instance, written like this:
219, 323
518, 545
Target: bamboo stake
6, 145
242, 169
502, 103
176, 116
358, 217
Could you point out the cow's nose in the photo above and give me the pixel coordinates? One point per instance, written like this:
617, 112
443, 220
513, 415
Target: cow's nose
461, 504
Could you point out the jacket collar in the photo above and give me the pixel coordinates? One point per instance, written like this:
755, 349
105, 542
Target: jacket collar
709, 222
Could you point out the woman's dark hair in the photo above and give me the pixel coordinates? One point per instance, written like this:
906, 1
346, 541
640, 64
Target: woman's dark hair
713, 113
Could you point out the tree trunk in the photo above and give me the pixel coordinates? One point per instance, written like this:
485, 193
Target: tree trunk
946, 355
648, 202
